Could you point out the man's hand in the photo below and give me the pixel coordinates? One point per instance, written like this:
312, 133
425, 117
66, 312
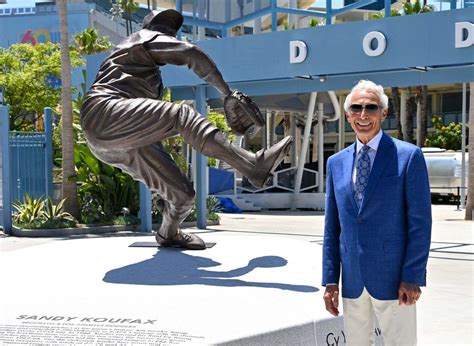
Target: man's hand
331, 299
408, 294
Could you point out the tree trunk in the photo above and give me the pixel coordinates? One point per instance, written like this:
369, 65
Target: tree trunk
126, 24
470, 183
411, 110
424, 114
421, 102
69, 188
396, 111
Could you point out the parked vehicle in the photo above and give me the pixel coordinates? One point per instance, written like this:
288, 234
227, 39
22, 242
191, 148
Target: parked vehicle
444, 170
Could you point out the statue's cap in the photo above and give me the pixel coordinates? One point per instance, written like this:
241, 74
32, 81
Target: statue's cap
169, 18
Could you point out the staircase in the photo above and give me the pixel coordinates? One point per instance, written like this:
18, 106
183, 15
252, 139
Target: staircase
244, 204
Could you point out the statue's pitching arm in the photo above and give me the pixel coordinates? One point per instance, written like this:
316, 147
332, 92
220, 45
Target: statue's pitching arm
168, 50
241, 112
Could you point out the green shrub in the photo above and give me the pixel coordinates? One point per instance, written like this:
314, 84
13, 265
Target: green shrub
445, 137
220, 122
42, 224
103, 190
212, 205
126, 220
55, 211
38, 213
28, 211
212, 208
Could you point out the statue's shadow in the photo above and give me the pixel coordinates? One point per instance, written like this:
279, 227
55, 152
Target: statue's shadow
175, 267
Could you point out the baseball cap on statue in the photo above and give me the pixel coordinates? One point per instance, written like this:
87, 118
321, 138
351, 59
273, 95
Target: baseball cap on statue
169, 18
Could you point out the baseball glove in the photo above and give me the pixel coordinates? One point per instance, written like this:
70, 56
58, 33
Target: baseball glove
241, 112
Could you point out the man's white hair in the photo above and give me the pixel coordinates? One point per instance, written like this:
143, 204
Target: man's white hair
369, 86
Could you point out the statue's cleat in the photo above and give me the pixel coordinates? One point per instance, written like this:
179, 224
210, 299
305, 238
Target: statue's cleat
268, 160
183, 240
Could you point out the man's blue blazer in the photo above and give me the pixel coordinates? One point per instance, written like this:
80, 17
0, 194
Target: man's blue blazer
386, 241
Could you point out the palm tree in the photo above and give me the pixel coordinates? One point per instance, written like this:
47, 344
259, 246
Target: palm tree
395, 97
69, 188
89, 42
408, 135
416, 7
129, 7
421, 95
422, 102
380, 15
470, 183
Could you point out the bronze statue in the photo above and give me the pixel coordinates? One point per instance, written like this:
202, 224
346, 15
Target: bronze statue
124, 120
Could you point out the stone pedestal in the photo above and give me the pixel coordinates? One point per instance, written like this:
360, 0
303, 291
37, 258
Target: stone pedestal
247, 289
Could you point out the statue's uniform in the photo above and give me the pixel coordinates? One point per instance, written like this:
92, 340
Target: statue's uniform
124, 120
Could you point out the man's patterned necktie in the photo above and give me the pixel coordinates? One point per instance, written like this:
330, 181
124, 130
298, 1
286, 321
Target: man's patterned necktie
362, 174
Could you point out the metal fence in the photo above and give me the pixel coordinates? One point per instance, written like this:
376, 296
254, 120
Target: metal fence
26, 165
29, 165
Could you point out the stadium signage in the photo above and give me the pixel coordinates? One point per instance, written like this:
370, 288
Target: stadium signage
375, 43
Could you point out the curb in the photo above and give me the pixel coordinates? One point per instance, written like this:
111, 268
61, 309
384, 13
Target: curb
64, 232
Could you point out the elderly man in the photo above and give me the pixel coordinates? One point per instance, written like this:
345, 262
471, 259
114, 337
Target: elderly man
377, 227
124, 120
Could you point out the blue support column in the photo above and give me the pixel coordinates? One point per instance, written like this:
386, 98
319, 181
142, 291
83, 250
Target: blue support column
328, 12
388, 8
453, 4
201, 166
227, 17
48, 133
6, 172
274, 15
145, 208
179, 8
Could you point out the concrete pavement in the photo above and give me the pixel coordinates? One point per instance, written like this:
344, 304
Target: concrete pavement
446, 307
445, 310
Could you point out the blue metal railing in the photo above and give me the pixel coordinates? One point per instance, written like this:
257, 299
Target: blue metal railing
5, 206
468, 3
27, 164
273, 10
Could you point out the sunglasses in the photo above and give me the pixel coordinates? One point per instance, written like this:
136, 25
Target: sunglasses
370, 108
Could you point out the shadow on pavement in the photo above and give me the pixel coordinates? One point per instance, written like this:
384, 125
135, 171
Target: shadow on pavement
175, 267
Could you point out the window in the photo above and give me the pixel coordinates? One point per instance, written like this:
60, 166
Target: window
452, 102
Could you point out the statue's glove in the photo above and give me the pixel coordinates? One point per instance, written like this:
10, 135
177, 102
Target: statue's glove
241, 112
